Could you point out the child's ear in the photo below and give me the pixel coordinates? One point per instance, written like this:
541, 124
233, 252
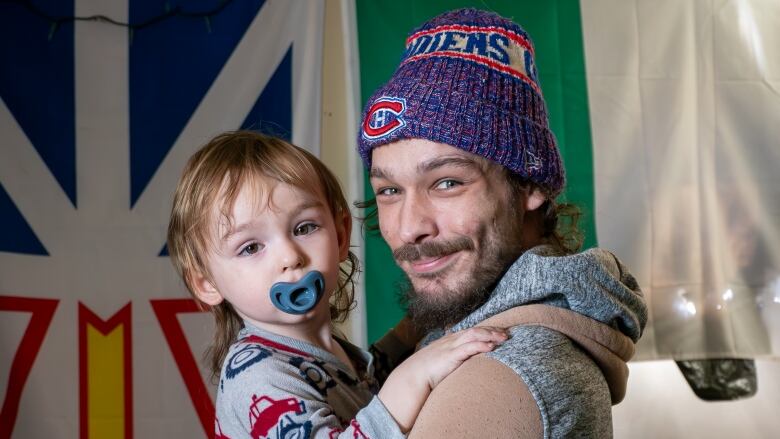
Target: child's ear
344, 232
205, 290
534, 199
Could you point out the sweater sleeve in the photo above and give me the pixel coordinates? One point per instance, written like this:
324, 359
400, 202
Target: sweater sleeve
272, 398
482, 398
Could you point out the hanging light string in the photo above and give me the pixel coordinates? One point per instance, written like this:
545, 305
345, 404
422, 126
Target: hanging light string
171, 12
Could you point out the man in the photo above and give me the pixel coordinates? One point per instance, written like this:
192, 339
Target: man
465, 172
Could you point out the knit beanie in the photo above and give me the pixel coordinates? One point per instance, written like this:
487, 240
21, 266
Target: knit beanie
468, 79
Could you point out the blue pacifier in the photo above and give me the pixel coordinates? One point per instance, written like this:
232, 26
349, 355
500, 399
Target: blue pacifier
298, 297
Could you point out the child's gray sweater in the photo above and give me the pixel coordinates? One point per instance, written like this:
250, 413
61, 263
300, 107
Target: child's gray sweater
278, 387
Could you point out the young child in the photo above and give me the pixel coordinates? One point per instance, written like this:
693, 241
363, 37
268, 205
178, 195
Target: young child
259, 232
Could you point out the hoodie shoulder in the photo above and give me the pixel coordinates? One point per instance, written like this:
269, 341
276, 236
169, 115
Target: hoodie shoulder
593, 283
568, 387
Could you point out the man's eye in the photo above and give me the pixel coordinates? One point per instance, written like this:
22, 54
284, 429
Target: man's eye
250, 249
305, 229
447, 184
387, 191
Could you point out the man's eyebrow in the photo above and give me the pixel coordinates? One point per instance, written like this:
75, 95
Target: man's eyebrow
377, 173
458, 161
305, 204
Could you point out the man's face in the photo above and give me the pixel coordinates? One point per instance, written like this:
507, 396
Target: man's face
449, 218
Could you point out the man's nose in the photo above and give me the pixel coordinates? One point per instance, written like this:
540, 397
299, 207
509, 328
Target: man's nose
417, 220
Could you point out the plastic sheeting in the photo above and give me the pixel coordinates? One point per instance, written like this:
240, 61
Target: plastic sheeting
722, 379
685, 114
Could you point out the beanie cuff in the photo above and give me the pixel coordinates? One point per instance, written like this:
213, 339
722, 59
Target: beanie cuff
467, 122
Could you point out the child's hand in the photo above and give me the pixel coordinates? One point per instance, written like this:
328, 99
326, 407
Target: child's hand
437, 360
406, 389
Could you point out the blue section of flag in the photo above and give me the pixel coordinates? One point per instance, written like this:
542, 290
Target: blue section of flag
17, 236
172, 65
272, 112
36, 84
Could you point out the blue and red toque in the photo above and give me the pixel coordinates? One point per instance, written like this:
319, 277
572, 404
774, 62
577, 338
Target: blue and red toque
468, 79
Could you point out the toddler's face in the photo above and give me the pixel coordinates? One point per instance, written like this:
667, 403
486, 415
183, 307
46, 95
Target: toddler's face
277, 238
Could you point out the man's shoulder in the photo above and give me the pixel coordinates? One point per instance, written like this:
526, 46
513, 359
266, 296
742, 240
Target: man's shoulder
482, 398
538, 353
537, 384
566, 384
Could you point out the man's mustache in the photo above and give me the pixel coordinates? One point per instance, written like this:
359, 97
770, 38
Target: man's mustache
432, 249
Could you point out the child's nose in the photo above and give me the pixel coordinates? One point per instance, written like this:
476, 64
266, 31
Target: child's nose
292, 257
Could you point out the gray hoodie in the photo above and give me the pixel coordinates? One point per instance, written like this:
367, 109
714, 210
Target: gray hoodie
574, 322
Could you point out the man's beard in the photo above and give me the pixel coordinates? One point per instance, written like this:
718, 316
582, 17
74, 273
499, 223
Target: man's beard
429, 309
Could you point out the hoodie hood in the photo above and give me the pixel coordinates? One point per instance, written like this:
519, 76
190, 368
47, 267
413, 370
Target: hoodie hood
589, 297
593, 283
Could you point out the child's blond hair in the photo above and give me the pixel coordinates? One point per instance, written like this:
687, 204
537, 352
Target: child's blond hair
219, 170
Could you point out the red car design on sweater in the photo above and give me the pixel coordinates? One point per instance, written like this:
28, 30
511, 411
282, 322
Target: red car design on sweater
266, 413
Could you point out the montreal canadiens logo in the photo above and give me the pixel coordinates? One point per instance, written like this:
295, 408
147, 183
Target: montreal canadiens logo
384, 117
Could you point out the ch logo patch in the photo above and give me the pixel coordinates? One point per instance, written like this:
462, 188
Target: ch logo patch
384, 117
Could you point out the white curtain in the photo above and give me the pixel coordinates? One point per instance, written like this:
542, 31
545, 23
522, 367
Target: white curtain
685, 111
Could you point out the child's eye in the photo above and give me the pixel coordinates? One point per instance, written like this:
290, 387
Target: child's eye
305, 229
447, 184
250, 249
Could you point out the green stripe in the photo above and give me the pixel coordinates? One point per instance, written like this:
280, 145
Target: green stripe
555, 27
575, 139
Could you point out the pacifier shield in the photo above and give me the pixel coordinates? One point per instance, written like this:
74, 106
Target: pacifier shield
298, 297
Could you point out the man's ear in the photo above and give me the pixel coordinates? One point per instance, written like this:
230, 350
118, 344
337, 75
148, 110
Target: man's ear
205, 290
534, 199
344, 232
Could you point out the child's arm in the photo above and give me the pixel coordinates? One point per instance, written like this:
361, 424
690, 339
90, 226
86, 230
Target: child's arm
408, 386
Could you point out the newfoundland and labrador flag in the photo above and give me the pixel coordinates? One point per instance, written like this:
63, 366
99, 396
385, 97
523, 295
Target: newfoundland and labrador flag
667, 114
98, 337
